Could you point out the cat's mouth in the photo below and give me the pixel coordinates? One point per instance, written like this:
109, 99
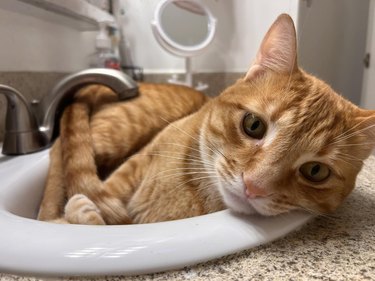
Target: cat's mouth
240, 198
258, 197
265, 202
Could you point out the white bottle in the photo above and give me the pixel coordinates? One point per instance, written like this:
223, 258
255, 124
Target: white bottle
104, 56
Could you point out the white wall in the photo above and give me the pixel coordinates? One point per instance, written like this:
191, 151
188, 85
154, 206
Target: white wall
368, 92
332, 38
332, 42
241, 26
33, 39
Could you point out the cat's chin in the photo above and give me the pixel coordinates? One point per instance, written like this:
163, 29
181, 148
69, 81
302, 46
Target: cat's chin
237, 202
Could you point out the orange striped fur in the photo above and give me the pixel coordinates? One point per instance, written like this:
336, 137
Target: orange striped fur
172, 153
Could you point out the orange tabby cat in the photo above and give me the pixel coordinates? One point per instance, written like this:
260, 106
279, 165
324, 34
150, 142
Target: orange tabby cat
279, 139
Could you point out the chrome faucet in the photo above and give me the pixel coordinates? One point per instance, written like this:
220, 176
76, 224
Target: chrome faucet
29, 127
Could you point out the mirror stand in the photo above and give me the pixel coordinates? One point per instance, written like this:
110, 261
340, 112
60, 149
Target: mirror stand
188, 81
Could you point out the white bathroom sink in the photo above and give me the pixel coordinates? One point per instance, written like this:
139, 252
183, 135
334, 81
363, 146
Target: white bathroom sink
31, 247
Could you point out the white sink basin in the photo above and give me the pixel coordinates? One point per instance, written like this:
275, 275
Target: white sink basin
31, 247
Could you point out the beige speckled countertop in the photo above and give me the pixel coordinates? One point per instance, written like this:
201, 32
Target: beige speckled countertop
338, 247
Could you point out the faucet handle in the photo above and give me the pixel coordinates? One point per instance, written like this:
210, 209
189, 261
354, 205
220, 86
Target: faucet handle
21, 129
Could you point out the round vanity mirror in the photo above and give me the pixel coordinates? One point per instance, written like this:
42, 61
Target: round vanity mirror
183, 27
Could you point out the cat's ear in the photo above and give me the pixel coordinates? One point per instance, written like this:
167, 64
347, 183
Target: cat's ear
278, 51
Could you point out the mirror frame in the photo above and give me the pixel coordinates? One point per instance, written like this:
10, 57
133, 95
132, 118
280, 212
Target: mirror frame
173, 47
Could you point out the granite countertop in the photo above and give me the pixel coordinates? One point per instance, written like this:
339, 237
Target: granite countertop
336, 247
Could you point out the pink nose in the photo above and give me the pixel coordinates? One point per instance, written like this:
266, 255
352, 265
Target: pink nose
253, 190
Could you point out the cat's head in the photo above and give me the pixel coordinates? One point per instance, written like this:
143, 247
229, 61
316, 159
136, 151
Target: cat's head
283, 138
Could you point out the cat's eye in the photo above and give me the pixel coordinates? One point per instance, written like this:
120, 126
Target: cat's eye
253, 126
315, 171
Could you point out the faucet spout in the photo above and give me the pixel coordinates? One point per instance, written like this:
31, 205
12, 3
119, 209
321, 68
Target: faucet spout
52, 105
31, 128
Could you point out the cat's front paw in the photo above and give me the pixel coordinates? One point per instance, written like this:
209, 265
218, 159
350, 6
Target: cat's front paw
81, 210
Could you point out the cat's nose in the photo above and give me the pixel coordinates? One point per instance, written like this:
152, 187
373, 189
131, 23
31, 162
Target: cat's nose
253, 190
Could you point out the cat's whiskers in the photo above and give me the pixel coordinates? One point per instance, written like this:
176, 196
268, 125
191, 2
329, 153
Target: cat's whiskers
177, 175
214, 149
348, 131
159, 154
196, 179
347, 136
168, 153
195, 161
356, 144
207, 186
281, 207
203, 189
206, 167
317, 213
347, 162
187, 168
349, 157
189, 147
195, 164
182, 172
